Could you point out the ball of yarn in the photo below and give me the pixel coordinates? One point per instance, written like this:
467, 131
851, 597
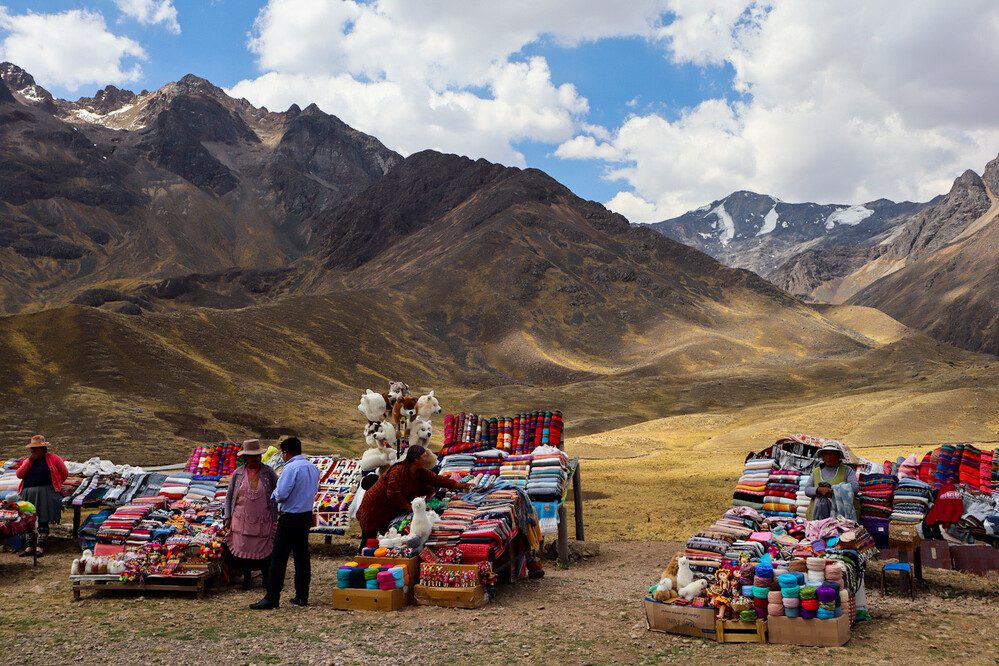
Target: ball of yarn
815, 563
792, 602
775, 609
806, 614
790, 611
774, 597
761, 582
824, 614
795, 566
761, 592
787, 580
810, 604
764, 570
791, 592
800, 575
747, 590
826, 594
747, 615
808, 592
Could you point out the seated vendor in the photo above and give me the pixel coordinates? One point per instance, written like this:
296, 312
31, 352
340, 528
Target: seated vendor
401, 484
830, 472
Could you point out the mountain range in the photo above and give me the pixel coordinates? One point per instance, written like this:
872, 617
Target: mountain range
932, 265
181, 266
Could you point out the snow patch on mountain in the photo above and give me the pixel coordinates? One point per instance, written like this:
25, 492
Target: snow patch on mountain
853, 216
770, 222
728, 225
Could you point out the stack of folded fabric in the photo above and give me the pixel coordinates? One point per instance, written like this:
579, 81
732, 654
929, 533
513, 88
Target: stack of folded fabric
877, 493
453, 521
176, 485
548, 474
801, 500
487, 462
911, 501
516, 469
751, 490
8, 476
222, 487
705, 553
201, 489
781, 493
119, 525
457, 465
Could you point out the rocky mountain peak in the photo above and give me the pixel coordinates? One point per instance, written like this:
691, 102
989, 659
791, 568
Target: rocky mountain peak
107, 100
990, 176
22, 83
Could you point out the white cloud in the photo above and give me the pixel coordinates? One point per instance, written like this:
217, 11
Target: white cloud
70, 49
151, 12
843, 102
441, 74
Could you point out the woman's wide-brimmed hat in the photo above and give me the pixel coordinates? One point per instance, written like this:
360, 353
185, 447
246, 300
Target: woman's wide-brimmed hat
251, 447
831, 446
38, 440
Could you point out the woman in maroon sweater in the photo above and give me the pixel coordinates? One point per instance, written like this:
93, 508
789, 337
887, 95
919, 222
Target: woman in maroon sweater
42, 475
400, 485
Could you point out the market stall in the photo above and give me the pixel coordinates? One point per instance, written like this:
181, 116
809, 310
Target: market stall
763, 571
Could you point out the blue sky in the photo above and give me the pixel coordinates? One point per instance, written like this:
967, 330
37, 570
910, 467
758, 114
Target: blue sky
651, 107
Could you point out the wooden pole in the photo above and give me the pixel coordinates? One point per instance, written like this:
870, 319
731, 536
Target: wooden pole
577, 502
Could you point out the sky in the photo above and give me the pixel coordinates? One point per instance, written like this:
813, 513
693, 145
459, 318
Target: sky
651, 107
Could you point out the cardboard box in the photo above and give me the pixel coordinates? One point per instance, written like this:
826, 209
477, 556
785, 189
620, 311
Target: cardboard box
798, 631
675, 619
369, 600
451, 597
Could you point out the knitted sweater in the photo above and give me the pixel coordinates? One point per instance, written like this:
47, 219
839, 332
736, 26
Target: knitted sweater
56, 467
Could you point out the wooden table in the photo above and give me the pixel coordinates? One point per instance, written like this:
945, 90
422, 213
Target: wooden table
197, 584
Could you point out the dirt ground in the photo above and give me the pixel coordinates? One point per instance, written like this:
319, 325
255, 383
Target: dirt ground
589, 613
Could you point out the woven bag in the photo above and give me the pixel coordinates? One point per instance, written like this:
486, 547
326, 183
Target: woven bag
903, 536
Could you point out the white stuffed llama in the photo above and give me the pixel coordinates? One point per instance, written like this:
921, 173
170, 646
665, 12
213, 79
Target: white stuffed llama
684, 576
373, 406
420, 527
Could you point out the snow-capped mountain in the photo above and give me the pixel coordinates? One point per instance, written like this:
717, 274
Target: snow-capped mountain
760, 232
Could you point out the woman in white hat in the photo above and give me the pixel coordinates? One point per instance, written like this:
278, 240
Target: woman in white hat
250, 513
830, 472
42, 475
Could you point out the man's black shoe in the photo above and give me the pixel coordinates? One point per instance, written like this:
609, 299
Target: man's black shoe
299, 602
264, 604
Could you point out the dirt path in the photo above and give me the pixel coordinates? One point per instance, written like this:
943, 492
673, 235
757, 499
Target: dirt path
590, 613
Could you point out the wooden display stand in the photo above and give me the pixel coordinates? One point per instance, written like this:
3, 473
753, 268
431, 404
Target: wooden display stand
735, 631
196, 583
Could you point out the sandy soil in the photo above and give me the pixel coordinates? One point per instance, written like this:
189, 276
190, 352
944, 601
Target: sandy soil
590, 613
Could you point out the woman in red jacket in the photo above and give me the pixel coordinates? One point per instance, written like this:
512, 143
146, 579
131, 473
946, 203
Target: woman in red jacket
400, 485
42, 475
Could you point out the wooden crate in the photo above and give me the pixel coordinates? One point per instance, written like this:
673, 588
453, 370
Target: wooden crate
735, 631
197, 583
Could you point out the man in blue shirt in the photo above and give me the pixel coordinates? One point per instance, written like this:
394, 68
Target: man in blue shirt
295, 494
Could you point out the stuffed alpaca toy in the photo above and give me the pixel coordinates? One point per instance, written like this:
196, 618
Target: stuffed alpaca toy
427, 406
684, 576
420, 433
420, 526
404, 406
373, 405
695, 589
377, 459
664, 592
430, 459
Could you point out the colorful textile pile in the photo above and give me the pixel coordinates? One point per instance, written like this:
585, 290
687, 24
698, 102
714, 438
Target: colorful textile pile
911, 501
877, 492
213, 460
516, 469
487, 463
751, 489
548, 475
781, 497
176, 485
518, 435
457, 466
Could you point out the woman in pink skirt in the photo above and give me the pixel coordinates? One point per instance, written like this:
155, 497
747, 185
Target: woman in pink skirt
250, 513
